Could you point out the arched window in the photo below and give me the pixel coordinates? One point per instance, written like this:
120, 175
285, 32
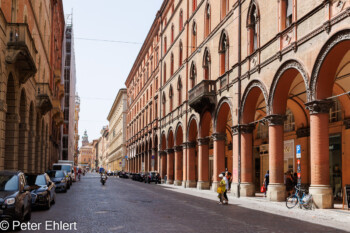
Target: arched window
165, 45
171, 94
253, 28
180, 53
171, 64
223, 50
224, 8
194, 5
172, 33
194, 36
193, 75
206, 64
207, 21
181, 20
179, 88
164, 105
286, 13
164, 74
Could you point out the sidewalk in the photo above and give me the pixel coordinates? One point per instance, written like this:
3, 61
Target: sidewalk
336, 218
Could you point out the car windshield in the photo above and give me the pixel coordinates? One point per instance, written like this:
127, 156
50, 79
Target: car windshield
40, 180
56, 174
8, 183
66, 168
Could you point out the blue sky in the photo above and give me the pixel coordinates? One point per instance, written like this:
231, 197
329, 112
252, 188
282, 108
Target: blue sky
102, 67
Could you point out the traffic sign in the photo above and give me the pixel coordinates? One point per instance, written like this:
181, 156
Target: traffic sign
298, 155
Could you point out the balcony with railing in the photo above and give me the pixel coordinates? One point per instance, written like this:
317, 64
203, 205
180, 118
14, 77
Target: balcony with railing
21, 50
43, 98
203, 96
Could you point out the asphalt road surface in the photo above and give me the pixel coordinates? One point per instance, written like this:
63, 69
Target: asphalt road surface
123, 205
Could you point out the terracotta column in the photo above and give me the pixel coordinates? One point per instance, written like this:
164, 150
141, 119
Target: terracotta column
184, 164
153, 161
234, 185
150, 160
320, 188
170, 166
163, 164
276, 190
219, 158
203, 163
191, 163
178, 165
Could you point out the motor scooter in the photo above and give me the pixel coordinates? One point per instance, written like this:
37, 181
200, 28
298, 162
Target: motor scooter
103, 179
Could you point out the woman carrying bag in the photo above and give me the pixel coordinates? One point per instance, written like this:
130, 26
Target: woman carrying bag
221, 189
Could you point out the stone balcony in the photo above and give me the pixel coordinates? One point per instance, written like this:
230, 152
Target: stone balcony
21, 50
203, 96
43, 98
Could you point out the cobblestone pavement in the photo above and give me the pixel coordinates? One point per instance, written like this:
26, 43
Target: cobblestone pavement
123, 205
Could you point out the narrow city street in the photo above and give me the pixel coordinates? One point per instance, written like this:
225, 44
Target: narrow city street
123, 205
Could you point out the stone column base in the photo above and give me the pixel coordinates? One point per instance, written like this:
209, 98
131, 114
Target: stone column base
184, 183
322, 196
276, 192
191, 184
163, 181
247, 190
214, 186
169, 182
178, 182
203, 185
234, 189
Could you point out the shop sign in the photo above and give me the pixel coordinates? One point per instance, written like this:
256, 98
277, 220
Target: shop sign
298, 151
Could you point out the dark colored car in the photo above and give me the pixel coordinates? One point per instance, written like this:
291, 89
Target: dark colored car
151, 177
60, 179
68, 169
123, 174
136, 177
15, 197
43, 193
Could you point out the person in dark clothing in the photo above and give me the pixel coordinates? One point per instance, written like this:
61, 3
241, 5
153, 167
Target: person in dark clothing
289, 184
266, 181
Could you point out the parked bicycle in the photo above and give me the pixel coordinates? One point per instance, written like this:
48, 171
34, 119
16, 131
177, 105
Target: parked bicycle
302, 197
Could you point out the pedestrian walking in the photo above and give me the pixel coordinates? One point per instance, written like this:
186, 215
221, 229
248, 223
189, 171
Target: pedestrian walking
289, 184
221, 189
266, 181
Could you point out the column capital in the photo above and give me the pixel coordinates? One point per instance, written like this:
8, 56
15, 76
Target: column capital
275, 119
319, 106
245, 129
178, 148
188, 145
162, 152
203, 141
169, 151
218, 136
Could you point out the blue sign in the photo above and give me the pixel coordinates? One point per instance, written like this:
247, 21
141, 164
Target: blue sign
298, 151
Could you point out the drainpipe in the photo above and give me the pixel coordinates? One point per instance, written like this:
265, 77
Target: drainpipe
239, 95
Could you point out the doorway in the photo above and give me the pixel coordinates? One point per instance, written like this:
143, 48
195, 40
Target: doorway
335, 165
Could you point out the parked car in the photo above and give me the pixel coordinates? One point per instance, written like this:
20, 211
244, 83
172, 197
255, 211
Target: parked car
123, 174
15, 197
60, 179
43, 190
151, 177
143, 176
136, 176
65, 167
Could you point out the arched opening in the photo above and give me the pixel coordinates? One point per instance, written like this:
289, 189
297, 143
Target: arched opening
206, 65
179, 162
205, 152
38, 142
194, 37
171, 64
170, 158
171, 99
254, 140
11, 128
163, 158
207, 21
223, 144
179, 89
223, 51
164, 74
155, 154
23, 134
181, 21
193, 76
180, 54
31, 140
224, 8
330, 120
253, 27
192, 154
172, 33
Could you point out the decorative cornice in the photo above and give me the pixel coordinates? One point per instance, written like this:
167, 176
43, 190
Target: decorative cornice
169, 151
203, 141
245, 129
319, 106
275, 119
188, 145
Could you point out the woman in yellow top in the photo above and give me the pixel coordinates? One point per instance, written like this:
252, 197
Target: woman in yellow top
221, 189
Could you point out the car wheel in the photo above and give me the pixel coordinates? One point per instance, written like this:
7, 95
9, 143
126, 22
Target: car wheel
48, 200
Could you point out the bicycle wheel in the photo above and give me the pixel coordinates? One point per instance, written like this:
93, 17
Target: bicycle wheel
291, 201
